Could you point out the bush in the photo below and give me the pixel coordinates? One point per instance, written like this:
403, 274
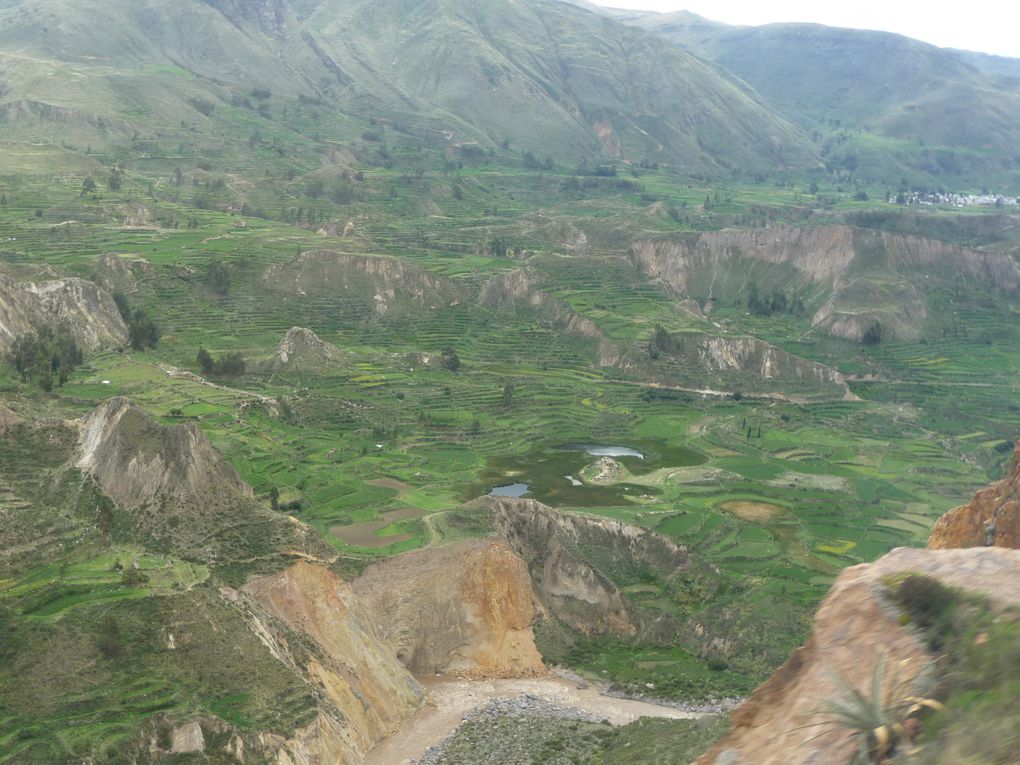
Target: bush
929, 604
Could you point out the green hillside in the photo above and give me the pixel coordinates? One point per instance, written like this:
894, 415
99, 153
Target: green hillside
451, 72
881, 105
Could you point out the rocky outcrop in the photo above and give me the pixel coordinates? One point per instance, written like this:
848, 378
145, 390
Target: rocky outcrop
857, 277
369, 692
367, 285
575, 562
172, 490
854, 628
87, 310
301, 350
992, 517
742, 363
466, 608
136, 461
518, 291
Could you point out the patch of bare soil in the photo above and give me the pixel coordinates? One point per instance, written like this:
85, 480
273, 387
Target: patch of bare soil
365, 534
390, 483
755, 512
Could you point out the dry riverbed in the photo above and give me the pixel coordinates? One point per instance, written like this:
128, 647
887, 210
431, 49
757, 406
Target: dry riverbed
451, 699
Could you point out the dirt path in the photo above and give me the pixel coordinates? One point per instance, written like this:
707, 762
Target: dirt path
451, 699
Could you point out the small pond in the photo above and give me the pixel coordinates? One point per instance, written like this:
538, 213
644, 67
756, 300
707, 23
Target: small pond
551, 473
509, 490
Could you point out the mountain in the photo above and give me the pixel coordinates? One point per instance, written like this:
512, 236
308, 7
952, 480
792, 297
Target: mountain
536, 75
883, 84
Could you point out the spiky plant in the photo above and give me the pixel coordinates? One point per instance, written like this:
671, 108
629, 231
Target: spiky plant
880, 720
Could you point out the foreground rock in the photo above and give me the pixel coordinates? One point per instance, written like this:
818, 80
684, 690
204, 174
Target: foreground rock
467, 608
855, 626
992, 517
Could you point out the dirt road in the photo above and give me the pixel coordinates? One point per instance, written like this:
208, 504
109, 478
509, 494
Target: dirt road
451, 699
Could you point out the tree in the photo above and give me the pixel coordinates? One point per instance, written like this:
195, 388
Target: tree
88, 187
218, 278
274, 498
115, 179
48, 356
508, 395
450, 359
874, 335
142, 331
205, 361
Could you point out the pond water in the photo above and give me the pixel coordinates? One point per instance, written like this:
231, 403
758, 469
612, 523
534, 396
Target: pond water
604, 451
551, 474
509, 490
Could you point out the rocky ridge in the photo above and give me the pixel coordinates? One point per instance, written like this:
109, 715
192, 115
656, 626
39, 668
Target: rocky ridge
373, 285
87, 310
835, 266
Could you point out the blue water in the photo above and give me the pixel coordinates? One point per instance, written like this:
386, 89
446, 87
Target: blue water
510, 490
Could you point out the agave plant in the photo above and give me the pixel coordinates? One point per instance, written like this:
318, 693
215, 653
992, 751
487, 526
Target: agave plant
881, 720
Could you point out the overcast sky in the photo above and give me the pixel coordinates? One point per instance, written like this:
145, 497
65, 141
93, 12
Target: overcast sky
990, 26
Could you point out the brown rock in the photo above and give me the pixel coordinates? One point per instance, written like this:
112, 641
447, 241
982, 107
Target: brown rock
991, 518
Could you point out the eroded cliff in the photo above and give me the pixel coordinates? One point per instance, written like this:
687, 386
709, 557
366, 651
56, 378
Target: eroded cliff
87, 310
369, 692
467, 608
853, 278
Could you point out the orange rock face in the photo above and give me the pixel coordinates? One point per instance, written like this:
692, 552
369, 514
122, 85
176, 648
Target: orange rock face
991, 518
466, 608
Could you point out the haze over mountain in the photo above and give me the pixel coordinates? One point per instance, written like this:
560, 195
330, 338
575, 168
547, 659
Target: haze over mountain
539, 75
938, 111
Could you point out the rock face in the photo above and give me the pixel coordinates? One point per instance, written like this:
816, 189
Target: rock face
855, 626
857, 277
466, 608
571, 559
301, 349
747, 362
365, 285
992, 517
173, 490
137, 462
187, 738
86, 309
369, 691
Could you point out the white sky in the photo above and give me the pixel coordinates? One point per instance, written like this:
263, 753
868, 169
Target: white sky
990, 26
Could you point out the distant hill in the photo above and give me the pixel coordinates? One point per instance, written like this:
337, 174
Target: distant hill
538, 75
916, 102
